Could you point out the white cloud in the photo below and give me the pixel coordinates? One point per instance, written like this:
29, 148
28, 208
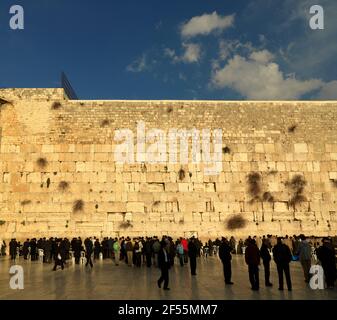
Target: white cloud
206, 24
192, 53
328, 91
258, 78
139, 65
228, 47
262, 56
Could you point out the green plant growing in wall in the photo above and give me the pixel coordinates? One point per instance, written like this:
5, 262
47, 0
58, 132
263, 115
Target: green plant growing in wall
2, 222
292, 128
334, 182
25, 202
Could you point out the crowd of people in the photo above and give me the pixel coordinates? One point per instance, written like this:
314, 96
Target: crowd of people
162, 253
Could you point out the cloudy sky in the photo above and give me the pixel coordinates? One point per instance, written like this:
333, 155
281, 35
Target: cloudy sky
176, 49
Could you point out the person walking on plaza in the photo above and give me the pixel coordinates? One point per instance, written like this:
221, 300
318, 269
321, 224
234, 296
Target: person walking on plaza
252, 258
282, 257
326, 255
88, 252
265, 255
304, 255
225, 256
97, 249
185, 246
164, 265
148, 252
192, 253
59, 255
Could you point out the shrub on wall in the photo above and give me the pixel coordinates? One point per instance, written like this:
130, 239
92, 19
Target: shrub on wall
181, 174
296, 185
42, 162
56, 105
254, 185
125, 224
78, 206
236, 222
63, 185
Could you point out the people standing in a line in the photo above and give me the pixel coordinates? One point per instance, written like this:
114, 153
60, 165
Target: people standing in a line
304, 255
192, 253
226, 257
265, 255
88, 252
326, 255
252, 258
164, 265
282, 257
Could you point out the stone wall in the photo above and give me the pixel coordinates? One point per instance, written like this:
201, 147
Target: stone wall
59, 176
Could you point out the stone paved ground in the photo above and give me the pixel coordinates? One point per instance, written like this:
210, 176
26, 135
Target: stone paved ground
107, 281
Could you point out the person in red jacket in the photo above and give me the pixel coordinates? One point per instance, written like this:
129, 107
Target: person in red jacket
184, 243
252, 257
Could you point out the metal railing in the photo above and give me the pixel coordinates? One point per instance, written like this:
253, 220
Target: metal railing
70, 92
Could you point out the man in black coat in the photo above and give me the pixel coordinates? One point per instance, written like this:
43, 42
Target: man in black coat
226, 257
13, 245
282, 257
252, 258
265, 255
164, 265
326, 254
192, 253
59, 255
33, 250
26, 249
88, 251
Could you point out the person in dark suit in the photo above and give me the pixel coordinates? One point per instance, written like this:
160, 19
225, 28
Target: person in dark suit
326, 254
192, 253
164, 265
13, 245
88, 251
225, 255
59, 255
265, 255
282, 257
252, 258
26, 249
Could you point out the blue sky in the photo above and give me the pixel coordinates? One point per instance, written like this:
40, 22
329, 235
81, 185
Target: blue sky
177, 49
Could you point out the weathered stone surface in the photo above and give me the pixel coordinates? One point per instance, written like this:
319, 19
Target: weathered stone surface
148, 199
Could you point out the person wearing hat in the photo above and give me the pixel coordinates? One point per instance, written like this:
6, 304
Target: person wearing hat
164, 265
326, 255
226, 257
